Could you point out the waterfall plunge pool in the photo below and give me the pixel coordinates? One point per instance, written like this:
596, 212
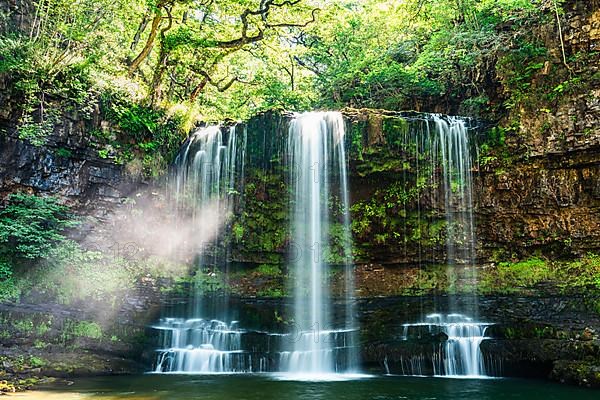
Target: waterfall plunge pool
265, 387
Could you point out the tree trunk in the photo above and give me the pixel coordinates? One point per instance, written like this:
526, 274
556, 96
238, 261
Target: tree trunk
148, 46
198, 89
138, 33
159, 73
161, 66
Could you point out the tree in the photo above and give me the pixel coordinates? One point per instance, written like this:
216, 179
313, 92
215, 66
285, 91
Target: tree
195, 38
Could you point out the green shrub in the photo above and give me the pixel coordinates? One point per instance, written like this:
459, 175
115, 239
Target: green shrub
509, 277
36, 362
36, 132
23, 325
63, 152
10, 290
583, 273
518, 67
30, 226
269, 270
87, 329
524, 273
5, 271
210, 282
271, 293
72, 273
564, 276
152, 134
42, 328
238, 232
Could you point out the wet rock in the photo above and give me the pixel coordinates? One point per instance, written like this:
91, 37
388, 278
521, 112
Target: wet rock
588, 334
577, 373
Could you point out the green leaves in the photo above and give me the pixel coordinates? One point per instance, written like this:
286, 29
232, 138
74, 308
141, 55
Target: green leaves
30, 226
5, 270
518, 67
566, 276
153, 135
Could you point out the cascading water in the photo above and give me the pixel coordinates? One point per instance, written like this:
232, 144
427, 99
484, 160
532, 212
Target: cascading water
210, 170
454, 150
206, 173
318, 175
457, 355
455, 159
460, 355
201, 346
445, 141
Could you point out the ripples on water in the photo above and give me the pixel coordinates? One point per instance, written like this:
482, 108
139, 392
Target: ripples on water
265, 387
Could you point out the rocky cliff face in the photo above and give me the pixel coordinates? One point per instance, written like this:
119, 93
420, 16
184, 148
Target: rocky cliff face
19, 14
536, 193
550, 204
67, 164
61, 168
544, 196
544, 205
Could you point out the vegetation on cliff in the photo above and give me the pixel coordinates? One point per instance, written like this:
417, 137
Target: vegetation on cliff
139, 75
39, 262
152, 69
156, 67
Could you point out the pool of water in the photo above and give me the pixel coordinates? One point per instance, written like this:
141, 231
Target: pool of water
262, 387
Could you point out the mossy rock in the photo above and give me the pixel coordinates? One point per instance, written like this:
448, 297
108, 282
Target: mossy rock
577, 373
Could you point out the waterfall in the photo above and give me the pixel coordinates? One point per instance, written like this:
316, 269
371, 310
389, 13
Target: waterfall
318, 175
454, 156
208, 170
206, 173
322, 336
460, 355
206, 167
437, 151
444, 140
461, 350
457, 354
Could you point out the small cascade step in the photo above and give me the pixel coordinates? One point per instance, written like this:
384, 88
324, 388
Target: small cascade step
197, 345
457, 353
212, 346
337, 349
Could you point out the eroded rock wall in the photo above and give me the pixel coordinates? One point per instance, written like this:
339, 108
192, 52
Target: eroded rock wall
544, 196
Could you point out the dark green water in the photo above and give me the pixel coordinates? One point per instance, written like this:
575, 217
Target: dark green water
218, 387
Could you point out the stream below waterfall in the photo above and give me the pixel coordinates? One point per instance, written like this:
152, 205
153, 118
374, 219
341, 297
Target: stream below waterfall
265, 387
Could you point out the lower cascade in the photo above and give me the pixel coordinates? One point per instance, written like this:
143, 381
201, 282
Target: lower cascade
201, 346
457, 354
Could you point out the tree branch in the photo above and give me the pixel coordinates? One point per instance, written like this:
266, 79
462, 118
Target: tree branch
300, 25
153, 33
161, 66
263, 11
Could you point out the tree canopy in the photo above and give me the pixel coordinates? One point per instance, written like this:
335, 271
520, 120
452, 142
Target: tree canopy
224, 58
156, 68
